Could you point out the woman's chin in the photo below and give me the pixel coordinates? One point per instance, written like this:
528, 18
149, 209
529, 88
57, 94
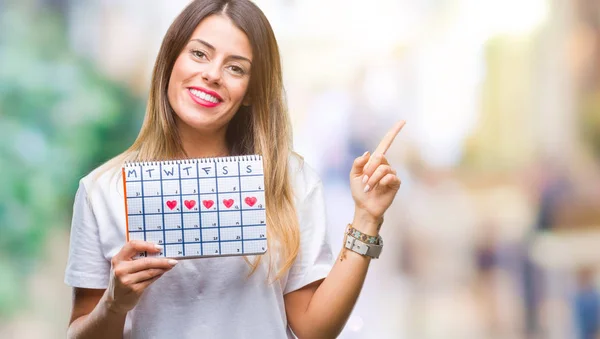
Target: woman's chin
202, 123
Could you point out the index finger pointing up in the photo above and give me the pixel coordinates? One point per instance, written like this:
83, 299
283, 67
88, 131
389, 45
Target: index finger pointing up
387, 140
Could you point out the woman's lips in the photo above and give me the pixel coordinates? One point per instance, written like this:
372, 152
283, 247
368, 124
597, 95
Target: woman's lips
209, 97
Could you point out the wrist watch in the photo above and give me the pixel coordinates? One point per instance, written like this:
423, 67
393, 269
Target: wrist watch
362, 248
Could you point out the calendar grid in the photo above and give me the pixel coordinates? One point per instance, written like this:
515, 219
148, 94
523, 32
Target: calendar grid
206, 242
143, 210
175, 179
206, 228
178, 195
199, 214
192, 212
197, 207
181, 214
162, 211
218, 207
241, 213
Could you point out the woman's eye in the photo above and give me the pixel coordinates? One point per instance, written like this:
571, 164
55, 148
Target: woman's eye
236, 69
199, 54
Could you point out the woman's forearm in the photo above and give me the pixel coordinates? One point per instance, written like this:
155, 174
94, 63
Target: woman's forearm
335, 298
101, 323
374, 185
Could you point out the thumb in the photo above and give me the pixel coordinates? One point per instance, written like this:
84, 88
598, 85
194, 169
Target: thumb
359, 164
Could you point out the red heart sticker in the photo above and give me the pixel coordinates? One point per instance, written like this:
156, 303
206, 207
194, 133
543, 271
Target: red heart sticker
171, 204
207, 203
250, 201
189, 204
227, 202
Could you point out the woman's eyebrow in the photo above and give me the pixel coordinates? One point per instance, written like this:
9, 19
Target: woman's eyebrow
212, 48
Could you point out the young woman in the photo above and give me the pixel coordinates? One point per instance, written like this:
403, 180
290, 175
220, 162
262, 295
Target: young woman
217, 91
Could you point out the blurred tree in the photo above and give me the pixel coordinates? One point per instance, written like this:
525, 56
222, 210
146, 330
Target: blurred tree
59, 118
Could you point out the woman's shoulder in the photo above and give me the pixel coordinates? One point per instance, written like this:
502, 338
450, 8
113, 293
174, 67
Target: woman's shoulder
104, 179
303, 177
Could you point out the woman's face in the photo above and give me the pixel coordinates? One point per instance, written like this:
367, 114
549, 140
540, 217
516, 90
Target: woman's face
211, 75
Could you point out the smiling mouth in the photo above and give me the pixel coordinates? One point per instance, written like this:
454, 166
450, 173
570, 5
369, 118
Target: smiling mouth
214, 98
203, 98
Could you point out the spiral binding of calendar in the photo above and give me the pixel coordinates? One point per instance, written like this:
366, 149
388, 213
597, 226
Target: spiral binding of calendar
235, 158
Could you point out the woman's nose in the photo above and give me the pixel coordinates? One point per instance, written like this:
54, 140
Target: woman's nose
212, 73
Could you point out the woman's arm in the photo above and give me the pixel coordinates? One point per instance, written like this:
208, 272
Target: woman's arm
321, 309
101, 313
92, 318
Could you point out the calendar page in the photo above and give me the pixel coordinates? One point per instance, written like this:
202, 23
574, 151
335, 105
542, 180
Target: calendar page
197, 207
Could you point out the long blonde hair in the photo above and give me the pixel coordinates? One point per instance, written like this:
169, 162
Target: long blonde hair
261, 128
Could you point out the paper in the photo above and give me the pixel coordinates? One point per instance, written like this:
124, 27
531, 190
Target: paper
197, 207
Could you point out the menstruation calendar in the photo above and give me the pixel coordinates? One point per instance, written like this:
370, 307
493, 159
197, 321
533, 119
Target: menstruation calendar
197, 207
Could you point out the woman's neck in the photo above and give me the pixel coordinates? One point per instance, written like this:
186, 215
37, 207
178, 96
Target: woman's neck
202, 145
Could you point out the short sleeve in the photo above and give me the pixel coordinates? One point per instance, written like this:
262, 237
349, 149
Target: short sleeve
86, 266
315, 258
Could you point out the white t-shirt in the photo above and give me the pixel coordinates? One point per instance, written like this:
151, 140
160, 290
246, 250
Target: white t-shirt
198, 298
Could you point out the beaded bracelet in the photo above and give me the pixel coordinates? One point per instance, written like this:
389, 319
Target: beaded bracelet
370, 239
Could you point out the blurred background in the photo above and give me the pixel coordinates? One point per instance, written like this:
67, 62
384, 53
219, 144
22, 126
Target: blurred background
496, 230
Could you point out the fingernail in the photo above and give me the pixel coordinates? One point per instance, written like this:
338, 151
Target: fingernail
173, 262
367, 188
365, 179
365, 154
158, 247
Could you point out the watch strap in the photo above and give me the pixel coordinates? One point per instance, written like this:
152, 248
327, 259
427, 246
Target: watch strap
369, 239
362, 248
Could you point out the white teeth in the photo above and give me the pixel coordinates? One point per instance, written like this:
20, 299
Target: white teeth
204, 96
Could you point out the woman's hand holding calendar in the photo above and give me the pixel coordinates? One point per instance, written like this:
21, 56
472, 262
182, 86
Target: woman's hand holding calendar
374, 184
129, 278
